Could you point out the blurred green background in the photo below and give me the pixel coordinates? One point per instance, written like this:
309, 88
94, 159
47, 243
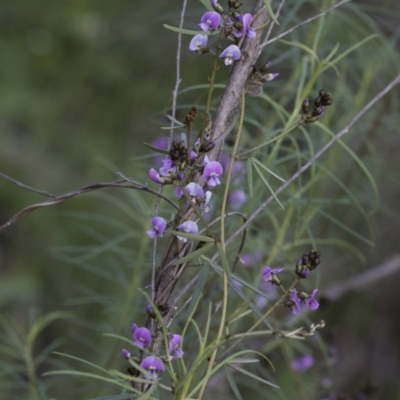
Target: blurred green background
82, 85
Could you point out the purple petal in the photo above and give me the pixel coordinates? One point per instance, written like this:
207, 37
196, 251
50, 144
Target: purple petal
155, 177
303, 363
125, 354
210, 20
197, 42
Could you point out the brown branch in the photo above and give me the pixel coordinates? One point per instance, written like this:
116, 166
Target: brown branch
60, 199
364, 280
26, 187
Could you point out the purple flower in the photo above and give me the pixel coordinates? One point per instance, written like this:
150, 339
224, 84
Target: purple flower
160, 142
125, 354
153, 365
212, 171
174, 350
303, 363
142, 336
246, 20
237, 198
268, 273
155, 177
269, 77
198, 42
168, 167
192, 189
311, 302
231, 53
210, 21
159, 224
187, 227
237, 169
296, 301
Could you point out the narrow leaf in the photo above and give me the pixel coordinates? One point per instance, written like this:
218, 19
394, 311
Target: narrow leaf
232, 383
224, 261
156, 149
188, 31
174, 120
250, 177
267, 185
270, 12
243, 371
198, 290
267, 169
201, 238
194, 254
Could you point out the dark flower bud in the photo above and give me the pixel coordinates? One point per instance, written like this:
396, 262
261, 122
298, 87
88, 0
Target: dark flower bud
217, 7
174, 154
317, 101
304, 106
238, 25
231, 3
265, 67
275, 280
303, 295
205, 148
237, 4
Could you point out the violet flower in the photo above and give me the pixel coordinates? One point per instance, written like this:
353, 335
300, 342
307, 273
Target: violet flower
174, 350
303, 363
187, 227
153, 365
155, 177
142, 336
296, 301
231, 53
212, 171
268, 273
125, 353
192, 189
168, 167
210, 21
159, 224
311, 302
246, 20
198, 42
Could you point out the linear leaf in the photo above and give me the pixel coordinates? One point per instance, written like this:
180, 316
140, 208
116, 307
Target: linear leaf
156, 149
194, 254
198, 290
250, 177
188, 31
270, 12
267, 169
232, 383
174, 120
193, 237
243, 371
224, 261
267, 184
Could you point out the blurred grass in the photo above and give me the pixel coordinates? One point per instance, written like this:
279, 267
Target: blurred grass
81, 83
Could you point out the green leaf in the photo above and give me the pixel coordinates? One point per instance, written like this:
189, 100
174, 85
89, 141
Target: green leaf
267, 169
198, 289
250, 177
267, 184
224, 261
232, 383
270, 12
174, 120
206, 4
156, 149
194, 254
189, 32
201, 238
243, 371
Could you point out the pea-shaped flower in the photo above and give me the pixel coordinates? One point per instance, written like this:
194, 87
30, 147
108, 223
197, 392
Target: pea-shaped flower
174, 350
153, 365
246, 30
212, 171
210, 21
142, 336
159, 224
198, 42
231, 53
187, 227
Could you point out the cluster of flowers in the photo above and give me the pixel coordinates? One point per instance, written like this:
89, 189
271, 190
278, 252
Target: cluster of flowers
142, 339
308, 262
324, 99
173, 171
233, 24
